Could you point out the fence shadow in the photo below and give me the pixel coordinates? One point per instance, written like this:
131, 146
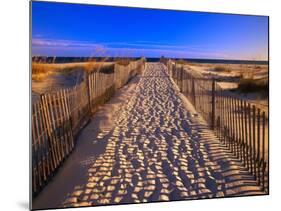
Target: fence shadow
241, 126
159, 151
57, 118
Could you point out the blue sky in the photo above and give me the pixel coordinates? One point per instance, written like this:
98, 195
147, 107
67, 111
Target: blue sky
86, 30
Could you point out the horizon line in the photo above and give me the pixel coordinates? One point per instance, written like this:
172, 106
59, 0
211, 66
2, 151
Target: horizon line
151, 57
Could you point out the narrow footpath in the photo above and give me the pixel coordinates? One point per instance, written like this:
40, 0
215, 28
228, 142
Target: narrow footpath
146, 144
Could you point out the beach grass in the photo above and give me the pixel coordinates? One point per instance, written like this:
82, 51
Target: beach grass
123, 62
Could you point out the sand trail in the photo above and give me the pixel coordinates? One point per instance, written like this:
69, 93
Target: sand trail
158, 149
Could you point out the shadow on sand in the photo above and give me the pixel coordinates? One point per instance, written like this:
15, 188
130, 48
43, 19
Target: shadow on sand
159, 151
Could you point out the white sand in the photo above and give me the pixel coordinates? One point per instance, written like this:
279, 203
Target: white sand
152, 146
232, 70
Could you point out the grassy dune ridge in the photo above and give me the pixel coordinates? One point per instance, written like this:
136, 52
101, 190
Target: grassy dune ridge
249, 82
49, 77
40, 70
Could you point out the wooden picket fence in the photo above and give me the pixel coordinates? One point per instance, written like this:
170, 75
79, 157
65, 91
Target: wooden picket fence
58, 117
239, 125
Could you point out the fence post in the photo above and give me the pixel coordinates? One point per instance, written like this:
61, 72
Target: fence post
213, 104
193, 93
89, 89
181, 78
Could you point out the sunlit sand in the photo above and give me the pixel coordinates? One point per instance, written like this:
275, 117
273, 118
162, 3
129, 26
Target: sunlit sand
157, 148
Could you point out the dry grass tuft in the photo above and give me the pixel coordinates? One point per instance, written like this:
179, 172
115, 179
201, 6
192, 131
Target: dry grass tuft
99, 67
40, 68
221, 69
90, 66
181, 61
38, 77
123, 62
40, 71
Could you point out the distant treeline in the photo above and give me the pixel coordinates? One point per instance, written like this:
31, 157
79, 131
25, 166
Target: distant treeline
112, 59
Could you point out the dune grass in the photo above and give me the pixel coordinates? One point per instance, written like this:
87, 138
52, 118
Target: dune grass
123, 61
41, 70
181, 61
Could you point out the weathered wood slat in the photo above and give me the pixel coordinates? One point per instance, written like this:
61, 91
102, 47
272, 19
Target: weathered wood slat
258, 146
250, 138
254, 141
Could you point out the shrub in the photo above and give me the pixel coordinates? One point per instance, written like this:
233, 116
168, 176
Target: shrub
253, 85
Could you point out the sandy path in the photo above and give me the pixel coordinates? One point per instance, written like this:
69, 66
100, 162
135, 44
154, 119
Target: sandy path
158, 149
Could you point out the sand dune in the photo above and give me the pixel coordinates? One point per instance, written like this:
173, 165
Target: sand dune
158, 149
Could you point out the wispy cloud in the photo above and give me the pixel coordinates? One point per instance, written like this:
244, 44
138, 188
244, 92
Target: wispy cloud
60, 47
37, 42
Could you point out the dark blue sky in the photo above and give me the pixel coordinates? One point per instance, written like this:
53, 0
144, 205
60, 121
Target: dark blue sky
86, 30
